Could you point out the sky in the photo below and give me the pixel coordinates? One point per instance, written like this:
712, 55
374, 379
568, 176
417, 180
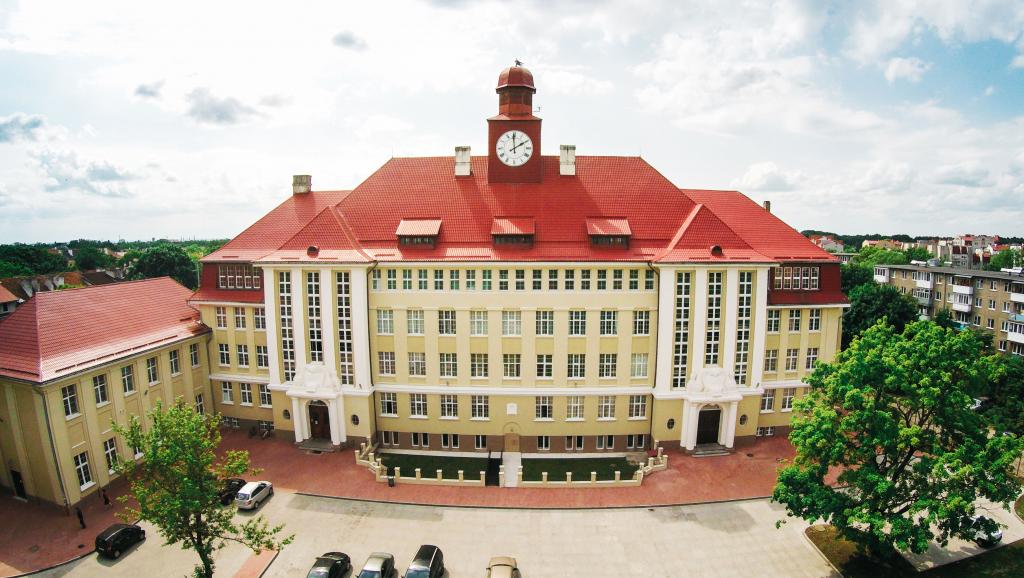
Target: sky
139, 120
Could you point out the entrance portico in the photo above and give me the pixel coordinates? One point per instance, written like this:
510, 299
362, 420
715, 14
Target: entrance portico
710, 405
317, 404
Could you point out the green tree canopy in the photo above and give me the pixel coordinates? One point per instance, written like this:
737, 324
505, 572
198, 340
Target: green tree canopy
871, 256
944, 319
893, 417
89, 257
8, 269
852, 275
36, 259
1007, 259
917, 254
169, 260
177, 484
1005, 390
871, 302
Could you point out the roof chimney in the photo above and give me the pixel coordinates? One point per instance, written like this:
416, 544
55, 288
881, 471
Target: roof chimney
302, 184
567, 160
768, 206
463, 166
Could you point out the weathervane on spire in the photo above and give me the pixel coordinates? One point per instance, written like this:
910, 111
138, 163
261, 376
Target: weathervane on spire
518, 62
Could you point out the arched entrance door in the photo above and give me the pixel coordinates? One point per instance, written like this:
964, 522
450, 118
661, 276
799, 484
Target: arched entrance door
708, 422
319, 420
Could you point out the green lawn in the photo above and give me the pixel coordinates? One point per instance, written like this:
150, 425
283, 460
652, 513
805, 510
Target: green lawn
429, 465
580, 468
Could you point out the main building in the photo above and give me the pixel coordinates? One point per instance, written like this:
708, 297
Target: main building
518, 302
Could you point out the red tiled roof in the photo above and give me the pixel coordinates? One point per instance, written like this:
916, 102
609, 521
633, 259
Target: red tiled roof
6, 296
213, 294
56, 333
513, 226
608, 226
418, 228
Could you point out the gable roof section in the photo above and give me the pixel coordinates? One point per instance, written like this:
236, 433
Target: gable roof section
418, 228
513, 226
6, 296
608, 226
57, 333
329, 233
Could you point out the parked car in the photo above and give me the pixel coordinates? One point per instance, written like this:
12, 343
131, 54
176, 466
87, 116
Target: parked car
330, 565
983, 537
428, 563
378, 565
113, 541
253, 494
230, 490
503, 567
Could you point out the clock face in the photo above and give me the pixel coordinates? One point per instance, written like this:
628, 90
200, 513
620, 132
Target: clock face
514, 148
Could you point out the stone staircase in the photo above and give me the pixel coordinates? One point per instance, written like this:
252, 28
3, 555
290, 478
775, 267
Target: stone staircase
710, 450
318, 446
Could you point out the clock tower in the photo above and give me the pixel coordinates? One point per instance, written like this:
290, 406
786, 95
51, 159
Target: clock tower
513, 136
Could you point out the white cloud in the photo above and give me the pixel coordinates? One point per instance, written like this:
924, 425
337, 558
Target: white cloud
65, 172
990, 90
766, 177
209, 109
911, 69
20, 126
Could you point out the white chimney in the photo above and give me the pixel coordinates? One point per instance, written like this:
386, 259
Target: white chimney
302, 184
463, 166
567, 160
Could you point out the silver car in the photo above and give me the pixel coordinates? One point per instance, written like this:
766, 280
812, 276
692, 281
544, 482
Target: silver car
253, 494
503, 567
378, 565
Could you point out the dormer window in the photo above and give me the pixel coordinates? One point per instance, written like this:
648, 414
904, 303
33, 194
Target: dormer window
418, 232
609, 231
516, 231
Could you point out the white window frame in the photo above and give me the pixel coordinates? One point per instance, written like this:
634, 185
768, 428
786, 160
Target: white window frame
609, 322
449, 406
227, 393
605, 407
386, 362
417, 364
511, 323
417, 405
638, 406
545, 367
639, 363
480, 407
478, 323
414, 321
385, 322
245, 394
574, 405
545, 323
512, 367
544, 408
389, 400
641, 322
479, 365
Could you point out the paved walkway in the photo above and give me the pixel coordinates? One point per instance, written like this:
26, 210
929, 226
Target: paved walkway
748, 473
959, 549
511, 461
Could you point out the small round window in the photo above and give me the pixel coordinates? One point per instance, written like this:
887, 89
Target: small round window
355, 419
671, 423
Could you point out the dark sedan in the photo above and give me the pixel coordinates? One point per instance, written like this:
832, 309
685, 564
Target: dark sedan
230, 490
330, 565
113, 541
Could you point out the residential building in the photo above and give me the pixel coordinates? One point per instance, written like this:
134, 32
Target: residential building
989, 300
887, 244
8, 302
518, 302
828, 243
74, 362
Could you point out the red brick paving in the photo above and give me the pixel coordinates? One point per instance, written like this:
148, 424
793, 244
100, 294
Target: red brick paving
748, 473
256, 565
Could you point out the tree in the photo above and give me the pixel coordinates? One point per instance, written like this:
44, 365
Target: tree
892, 416
945, 319
871, 256
165, 260
1005, 390
88, 257
178, 481
1006, 259
852, 275
8, 269
917, 254
871, 302
38, 259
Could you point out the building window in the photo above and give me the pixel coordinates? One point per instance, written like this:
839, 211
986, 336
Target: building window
110, 453
512, 365
200, 404
450, 440
570, 280
417, 364
152, 372
175, 363
602, 279
227, 394
812, 357
577, 322
82, 470
223, 354
265, 400
284, 290
407, 279
649, 280
418, 404
128, 379
573, 443
606, 407
503, 280
386, 362
346, 365
316, 334
768, 400
453, 280
478, 323
385, 322
814, 320
797, 278
538, 280
193, 354
545, 323
771, 360
446, 322
243, 355
641, 323
449, 365
617, 280
389, 438
543, 443
637, 406
438, 280
389, 404
636, 441
607, 365
774, 316
743, 308
552, 279
585, 279
245, 393
478, 365
375, 279
543, 366
681, 330
480, 442
767, 431
259, 318
422, 283
69, 394
577, 365
262, 357
574, 407
449, 405
420, 440
544, 407
238, 276
480, 406
392, 281
791, 356
520, 279
239, 318
414, 321
221, 314
609, 322
511, 323
485, 280
471, 280
787, 398
794, 320
266, 425
99, 388
606, 442
714, 318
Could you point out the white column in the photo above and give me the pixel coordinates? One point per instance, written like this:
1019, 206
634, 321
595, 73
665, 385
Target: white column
760, 326
360, 328
342, 424
334, 418
297, 420
666, 328
691, 426
728, 335
729, 431
299, 317
699, 328
329, 320
273, 339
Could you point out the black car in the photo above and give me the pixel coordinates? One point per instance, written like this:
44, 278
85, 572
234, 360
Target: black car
428, 563
230, 490
330, 565
113, 541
